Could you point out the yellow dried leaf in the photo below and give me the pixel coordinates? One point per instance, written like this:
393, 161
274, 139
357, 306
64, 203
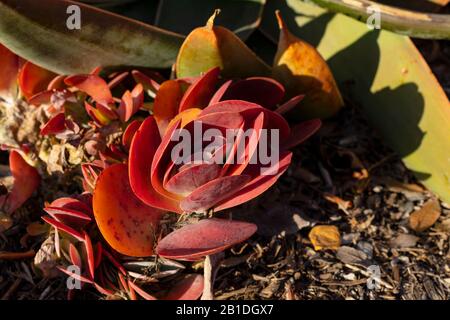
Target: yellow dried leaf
341, 203
425, 217
325, 237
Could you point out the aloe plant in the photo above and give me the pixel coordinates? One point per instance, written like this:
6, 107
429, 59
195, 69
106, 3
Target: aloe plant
37, 31
402, 21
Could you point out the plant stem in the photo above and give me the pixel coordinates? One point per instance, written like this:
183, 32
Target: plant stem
210, 268
406, 22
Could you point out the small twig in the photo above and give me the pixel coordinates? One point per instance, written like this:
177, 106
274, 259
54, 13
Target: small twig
17, 255
12, 289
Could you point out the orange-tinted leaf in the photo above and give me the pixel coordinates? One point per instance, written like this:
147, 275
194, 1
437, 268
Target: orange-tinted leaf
34, 79
302, 70
206, 237
167, 103
129, 133
126, 223
26, 181
93, 85
214, 46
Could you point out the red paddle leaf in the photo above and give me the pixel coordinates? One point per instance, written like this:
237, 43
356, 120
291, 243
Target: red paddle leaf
140, 291
206, 237
93, 85
126, 223
26, 181
55, 125
34, 79
189, 288
201, 91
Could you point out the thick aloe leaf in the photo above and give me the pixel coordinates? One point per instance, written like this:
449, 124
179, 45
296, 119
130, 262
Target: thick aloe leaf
414, 24
387, 76
182, 16
37, 31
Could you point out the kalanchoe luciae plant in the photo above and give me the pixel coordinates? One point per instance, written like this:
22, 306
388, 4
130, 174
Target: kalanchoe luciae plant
83, 255
134, 178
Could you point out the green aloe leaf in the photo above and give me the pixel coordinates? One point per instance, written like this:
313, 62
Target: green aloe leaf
387, 76
37, 31
410, 23
182, 16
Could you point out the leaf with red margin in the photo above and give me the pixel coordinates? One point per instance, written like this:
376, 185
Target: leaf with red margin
89, 254
188, 288
98, 117
70, 217
102, 290
55, 125
290, 104
220, 92
142, 151
98, 254
75, 275
9, 66
259, 184
93, 85
114, 261
61, 226
263, 91
34, 79
167, 103
129, 133
126, 223
199, 94
74, 204
26, 181
187, 180
209, 194
147, 82
301, 132
206, 237
140, 291
75, 257
117, 78
131, 103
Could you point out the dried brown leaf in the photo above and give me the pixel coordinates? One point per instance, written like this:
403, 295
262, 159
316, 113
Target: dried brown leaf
325, 237
425, 217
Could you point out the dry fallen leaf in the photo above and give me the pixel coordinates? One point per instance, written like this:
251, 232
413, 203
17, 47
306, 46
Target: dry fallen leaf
425, 217
341, 203
325, 237
404, 241
351, 255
